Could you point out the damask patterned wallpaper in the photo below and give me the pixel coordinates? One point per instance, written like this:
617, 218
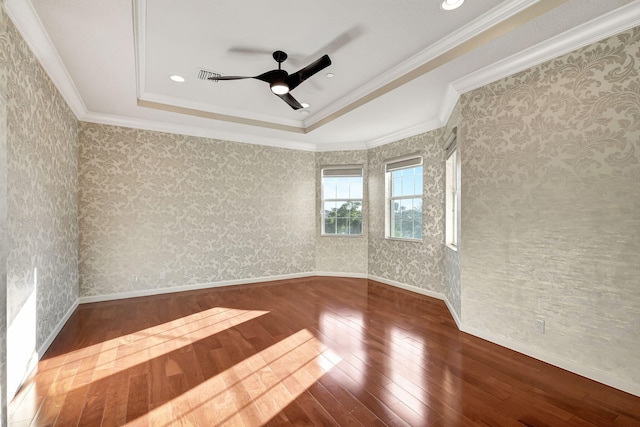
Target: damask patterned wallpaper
162, 210
3, 230
550, 195
451, 258
550, 202
41, 187
339, 254
411, 263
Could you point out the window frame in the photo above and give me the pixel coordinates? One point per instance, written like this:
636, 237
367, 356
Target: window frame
392, 165
452, 192
341, 171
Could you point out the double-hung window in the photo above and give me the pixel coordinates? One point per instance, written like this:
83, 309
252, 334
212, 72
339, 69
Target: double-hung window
404, 198
452, 195
342, 200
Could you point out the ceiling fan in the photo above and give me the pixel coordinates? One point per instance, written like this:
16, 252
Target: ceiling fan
281, 82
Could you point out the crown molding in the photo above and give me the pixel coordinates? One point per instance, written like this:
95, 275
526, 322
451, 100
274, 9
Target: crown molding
408, 132
26, 20
341, 146
227, 114
154, 100
475, 27
198, 131
448, 104
28, 23
604, 26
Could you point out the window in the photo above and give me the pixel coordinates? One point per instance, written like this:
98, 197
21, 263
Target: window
452, 189
342, 200
404, 189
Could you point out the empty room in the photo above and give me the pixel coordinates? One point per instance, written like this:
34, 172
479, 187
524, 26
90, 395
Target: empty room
362, 213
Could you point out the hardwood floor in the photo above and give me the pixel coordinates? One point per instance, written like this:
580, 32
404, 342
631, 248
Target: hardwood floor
316, 351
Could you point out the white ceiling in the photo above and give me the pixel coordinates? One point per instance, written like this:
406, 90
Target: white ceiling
399, 65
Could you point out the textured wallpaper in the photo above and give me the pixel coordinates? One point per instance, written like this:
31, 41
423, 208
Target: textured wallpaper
162, 210
550, 206
550, 200
411, 263
340, 254
42, 188
3, 230
451, 258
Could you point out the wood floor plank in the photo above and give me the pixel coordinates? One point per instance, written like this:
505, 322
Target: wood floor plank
312, 351
94, 405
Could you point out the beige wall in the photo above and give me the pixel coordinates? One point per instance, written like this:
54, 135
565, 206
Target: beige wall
416, 264
550, 208
41, 155
3, 231
451, 258
550, 196
340, 254
192, 209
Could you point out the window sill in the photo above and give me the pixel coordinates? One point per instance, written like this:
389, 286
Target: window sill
452, 247
399, 239
342, 235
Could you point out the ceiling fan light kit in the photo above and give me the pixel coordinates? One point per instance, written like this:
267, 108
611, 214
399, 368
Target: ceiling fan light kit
281, 82
279, 88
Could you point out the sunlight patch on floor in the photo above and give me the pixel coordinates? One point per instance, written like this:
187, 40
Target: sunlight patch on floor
119, 354
254, 390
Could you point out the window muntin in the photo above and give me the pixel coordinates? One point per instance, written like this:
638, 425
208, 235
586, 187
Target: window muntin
342, 195
404, 210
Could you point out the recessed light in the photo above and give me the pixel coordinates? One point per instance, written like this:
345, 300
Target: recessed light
451, 4
330, 75
304, 105
177, 78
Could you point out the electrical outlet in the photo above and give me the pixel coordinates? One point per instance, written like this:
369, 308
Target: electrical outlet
540, 326
164, 240
135, 279
163, 274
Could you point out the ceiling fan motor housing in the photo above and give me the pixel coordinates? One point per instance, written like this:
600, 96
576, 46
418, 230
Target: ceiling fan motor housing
278, 82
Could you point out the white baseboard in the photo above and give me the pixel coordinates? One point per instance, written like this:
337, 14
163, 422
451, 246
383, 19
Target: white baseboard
338, 274
33, 362
421, 291
194, 287
45, 345
552, 359
588, 372
453, 313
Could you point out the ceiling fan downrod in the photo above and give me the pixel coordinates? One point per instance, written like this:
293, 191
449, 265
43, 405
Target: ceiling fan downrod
280, 57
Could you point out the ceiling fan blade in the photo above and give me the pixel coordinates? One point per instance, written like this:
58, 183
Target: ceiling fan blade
291, 101
294, 79
229, 78
271, 76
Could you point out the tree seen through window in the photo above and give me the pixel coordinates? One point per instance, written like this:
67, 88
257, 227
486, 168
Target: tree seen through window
342, 201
